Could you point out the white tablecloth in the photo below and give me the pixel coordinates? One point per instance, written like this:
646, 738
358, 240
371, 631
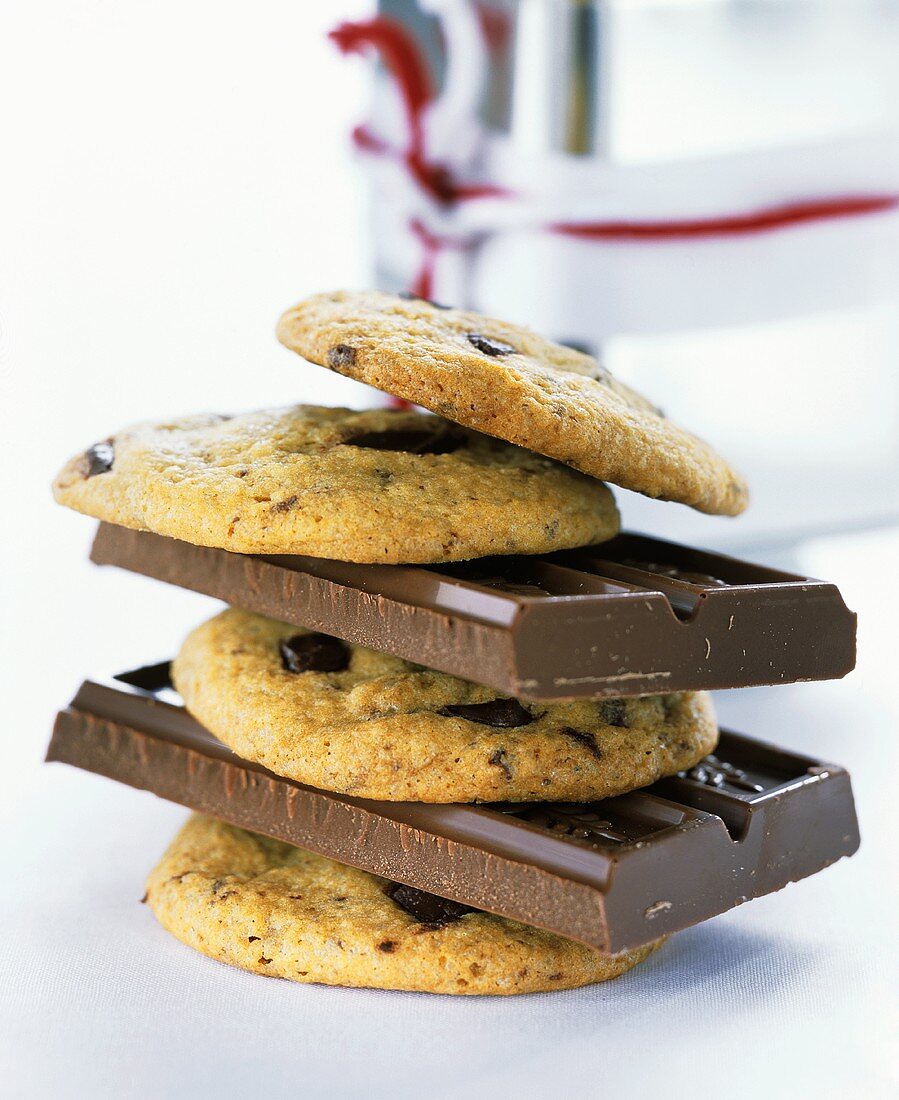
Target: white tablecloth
791, 993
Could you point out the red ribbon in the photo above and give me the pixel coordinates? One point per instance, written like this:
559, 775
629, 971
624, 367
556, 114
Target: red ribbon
401, 54
758, 221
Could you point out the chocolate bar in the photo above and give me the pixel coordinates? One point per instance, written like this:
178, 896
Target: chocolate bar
612, 874
632, 616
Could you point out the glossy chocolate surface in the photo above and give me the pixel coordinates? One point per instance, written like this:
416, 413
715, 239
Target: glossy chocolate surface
631, 616
613, 874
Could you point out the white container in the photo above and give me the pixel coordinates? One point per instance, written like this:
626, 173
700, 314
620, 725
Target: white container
738, 162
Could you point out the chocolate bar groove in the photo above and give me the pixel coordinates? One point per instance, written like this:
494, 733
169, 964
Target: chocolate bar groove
632, 616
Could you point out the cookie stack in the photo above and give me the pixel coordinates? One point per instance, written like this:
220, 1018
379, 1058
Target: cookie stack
527, 431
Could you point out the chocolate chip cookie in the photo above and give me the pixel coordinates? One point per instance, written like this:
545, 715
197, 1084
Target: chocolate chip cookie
268, 907
375, 486
348, 719
509, 382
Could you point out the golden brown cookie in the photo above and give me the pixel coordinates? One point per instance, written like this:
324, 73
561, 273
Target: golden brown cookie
509, 382
348, 719
374, 486
266, 906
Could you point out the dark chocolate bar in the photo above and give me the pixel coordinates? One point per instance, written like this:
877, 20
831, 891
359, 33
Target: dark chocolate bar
633, 616
613, 874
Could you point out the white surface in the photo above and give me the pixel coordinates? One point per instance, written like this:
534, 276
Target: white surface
792, 992
174, 175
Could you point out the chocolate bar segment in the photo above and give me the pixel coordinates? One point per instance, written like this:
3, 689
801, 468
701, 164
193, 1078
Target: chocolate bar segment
612, 874
632, 616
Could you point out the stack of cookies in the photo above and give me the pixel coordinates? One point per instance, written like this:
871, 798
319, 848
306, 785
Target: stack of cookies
514, 463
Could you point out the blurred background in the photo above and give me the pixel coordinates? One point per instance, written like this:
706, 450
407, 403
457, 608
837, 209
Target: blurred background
703, 192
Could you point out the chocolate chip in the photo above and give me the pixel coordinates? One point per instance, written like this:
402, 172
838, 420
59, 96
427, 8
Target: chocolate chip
252, 939
408, 296
428, 909
416, 441
387, 946
500, 760
614, 712
489, 346
586, 739
502, 713
98, 459
341, 355
314, 653
264, 961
